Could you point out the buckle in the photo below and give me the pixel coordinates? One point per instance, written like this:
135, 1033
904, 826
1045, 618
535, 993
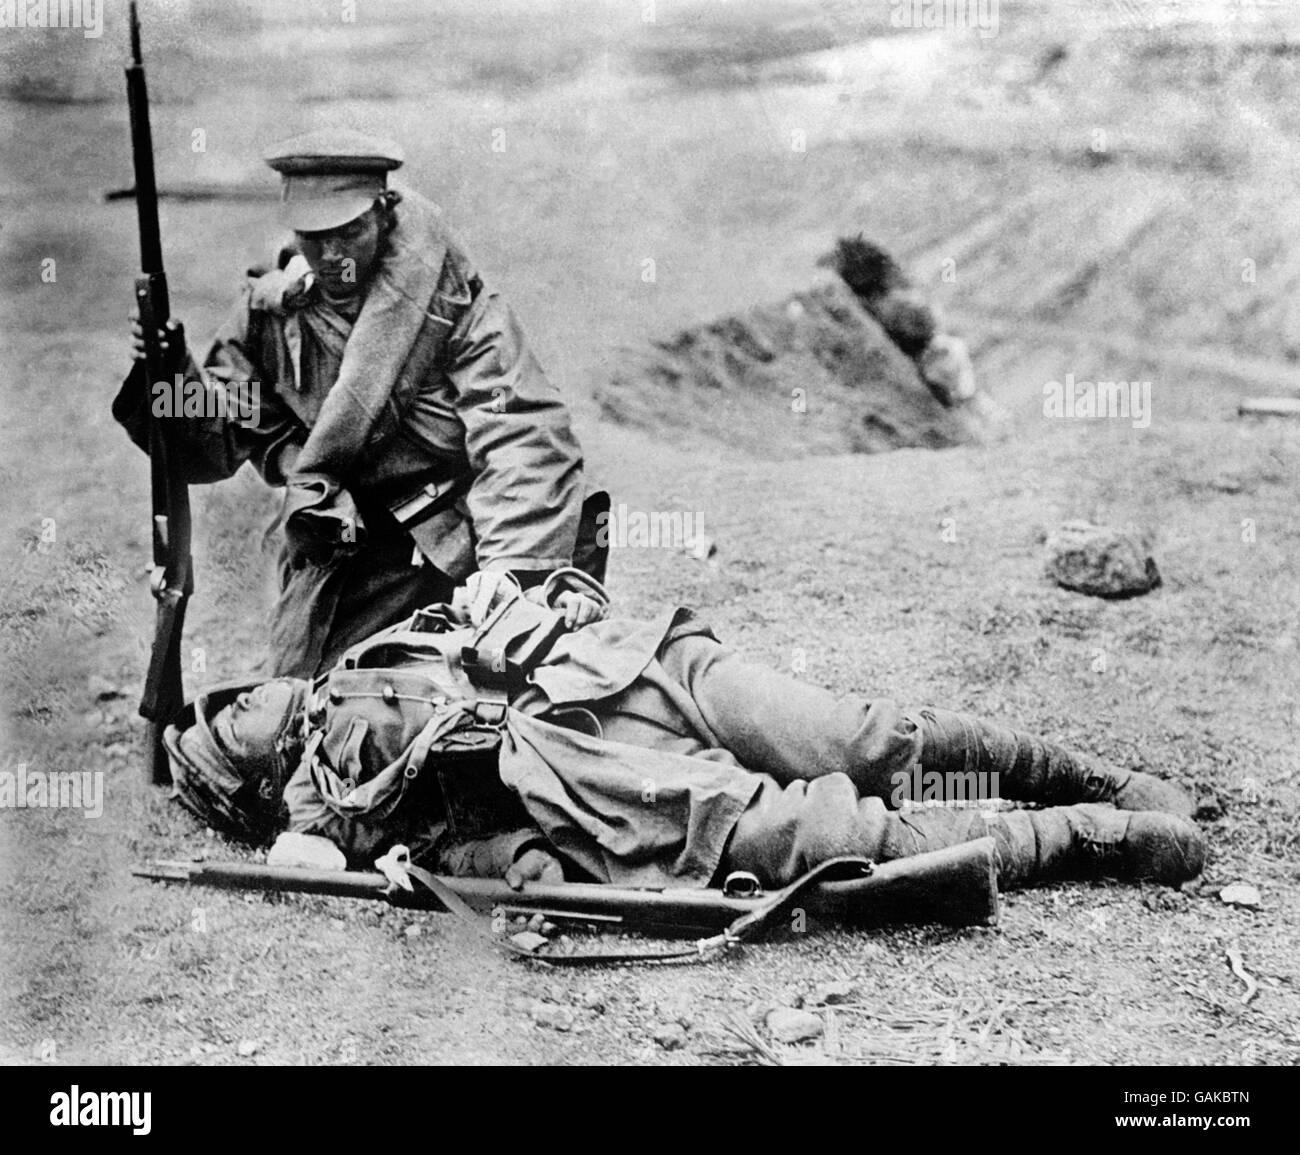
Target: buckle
490, 712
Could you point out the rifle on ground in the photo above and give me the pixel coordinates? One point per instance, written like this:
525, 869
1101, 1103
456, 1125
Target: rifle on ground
172, 579
956, 886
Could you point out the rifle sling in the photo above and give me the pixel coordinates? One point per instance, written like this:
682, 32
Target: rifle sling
746, 926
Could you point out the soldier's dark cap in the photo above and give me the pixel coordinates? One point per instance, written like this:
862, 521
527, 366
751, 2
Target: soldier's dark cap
331, 176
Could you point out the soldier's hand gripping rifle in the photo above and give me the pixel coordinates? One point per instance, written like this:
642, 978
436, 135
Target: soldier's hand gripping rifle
956, 886
172, 579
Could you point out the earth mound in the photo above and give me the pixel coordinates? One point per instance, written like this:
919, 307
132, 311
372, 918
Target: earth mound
813, 374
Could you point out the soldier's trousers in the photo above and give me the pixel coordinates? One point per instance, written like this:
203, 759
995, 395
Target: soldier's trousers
833, 770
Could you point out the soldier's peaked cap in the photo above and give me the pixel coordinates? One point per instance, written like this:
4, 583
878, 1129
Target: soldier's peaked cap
331, 176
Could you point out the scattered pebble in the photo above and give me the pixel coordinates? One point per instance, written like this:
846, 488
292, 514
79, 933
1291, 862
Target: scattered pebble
593, 1001
553, 1015
102, 690
669, 1036
249, 1047
1209, 808
675, 1010
413, 931
704, 548
831, 994
788, 1025
1165, 899
1241, 894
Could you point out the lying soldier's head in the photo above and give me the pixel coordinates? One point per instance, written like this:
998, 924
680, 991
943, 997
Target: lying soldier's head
232, 752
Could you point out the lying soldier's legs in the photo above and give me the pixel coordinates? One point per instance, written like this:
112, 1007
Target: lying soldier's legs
789, 829
1030, 769
787, 728
784, 727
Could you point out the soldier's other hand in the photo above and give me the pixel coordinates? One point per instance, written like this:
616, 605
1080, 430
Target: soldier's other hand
535, 865
137, 336
578, 609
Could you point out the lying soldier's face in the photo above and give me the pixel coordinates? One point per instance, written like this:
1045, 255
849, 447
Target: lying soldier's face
231, 764
258, 729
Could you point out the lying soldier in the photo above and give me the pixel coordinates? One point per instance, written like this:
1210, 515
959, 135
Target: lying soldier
503, 738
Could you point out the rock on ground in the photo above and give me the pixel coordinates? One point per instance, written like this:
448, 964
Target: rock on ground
793, 1026
1099, 560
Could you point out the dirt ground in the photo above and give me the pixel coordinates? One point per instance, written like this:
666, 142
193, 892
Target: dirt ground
1114, 186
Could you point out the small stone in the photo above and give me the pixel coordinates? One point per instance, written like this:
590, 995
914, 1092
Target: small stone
792, 1026
102, 690
593, 1001
831, 994
703, 548
529, 940
1100, 561
547, 929
675, 1010
1209, 808
337, 923
536, 923
554, 1016
1228, 482
669, 1036
249, 1047
413, 931
1241, 894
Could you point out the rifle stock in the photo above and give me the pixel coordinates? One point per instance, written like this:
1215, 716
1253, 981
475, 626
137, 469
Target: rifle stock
956, 886
172, 580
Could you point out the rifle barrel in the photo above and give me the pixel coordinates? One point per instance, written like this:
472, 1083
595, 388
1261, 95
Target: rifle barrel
146, 199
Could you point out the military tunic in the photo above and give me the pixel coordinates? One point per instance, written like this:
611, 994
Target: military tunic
439, 386
648, 754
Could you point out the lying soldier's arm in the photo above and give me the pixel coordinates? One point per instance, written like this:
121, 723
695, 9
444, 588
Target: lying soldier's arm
518, 856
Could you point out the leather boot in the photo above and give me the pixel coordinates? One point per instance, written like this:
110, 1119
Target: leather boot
1030, 769
1064, 842
1092, 841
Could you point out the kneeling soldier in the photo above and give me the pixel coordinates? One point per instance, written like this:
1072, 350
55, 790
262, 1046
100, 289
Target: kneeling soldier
391, 392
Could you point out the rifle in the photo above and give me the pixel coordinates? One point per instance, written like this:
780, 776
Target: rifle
956, 886
172, 578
